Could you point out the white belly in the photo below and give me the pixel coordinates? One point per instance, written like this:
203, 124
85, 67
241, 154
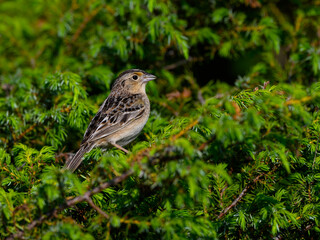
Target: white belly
129, 133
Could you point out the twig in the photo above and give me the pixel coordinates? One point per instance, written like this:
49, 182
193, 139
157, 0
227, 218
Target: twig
182, 62
85, 22
249, 28
234, 203
26, 131
315, 154
205, 144
74, 201
19, 234
169, 108
241, 195
98, 189
177, 64
307, 228
191, 125
200, 97
99, 210
223, 190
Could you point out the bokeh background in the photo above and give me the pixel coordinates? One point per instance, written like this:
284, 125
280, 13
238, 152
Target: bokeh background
214, 40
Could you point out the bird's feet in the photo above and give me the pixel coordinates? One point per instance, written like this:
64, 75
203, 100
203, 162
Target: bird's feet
119, 147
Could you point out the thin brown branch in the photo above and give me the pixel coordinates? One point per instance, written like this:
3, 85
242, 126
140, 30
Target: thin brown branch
241, 195
98, 189
249, 28
307, 228
85, 22
177, 64
99, 210
74, 201
200, 97
182, 62
315, 154
223, 190
171, 109
33, 224
205, 144
234, 203
26, 131
183, 131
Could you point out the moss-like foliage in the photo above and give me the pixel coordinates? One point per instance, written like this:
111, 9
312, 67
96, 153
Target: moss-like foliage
230, 151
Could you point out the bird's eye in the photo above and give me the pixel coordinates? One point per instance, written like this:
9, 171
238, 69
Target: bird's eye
135, 77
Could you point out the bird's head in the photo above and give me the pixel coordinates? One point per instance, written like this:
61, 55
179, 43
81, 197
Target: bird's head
133, 80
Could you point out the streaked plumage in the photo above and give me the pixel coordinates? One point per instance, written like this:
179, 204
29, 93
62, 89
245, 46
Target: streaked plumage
120, 118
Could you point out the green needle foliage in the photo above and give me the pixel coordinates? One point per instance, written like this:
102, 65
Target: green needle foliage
231, 148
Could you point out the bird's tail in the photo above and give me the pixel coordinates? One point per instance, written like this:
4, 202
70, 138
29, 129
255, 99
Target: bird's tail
74, 163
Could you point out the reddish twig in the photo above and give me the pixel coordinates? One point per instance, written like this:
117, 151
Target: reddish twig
205, 144
183, 131
85, 22
26, 131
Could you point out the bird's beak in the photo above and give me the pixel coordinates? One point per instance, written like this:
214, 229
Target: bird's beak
148, 77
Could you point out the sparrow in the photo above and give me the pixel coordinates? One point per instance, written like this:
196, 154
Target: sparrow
120, 118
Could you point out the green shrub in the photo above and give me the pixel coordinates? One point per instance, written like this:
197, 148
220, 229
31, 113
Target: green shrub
218, 158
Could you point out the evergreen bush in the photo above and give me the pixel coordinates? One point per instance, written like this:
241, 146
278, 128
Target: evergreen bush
231, 148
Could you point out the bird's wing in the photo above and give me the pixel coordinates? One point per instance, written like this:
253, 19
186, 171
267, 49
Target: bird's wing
115, 113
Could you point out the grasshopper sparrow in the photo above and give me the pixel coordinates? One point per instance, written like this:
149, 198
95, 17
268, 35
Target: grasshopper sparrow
120, 118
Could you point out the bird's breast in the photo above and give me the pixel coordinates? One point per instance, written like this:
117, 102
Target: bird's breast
130, 132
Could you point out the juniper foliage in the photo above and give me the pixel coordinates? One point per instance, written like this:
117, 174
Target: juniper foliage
217, 159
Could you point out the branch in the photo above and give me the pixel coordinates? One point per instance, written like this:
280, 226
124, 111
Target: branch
200, 97
205, 144
307, 228
182, 62
100, 188
99, 210
243, 193
315, 153
33, 224
183, 131
74, 201
177, 64
85, 22
235, 202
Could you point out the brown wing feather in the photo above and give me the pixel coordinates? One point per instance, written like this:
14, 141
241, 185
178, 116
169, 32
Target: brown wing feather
113, 115
108, 105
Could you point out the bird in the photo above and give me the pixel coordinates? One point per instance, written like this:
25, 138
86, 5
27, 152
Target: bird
120, 118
